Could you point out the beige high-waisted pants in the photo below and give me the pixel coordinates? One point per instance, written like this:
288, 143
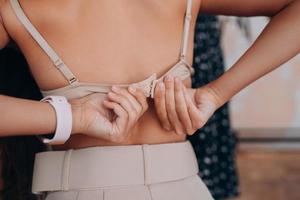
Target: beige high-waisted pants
137, 172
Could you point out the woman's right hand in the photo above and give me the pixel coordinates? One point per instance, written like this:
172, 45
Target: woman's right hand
108, 116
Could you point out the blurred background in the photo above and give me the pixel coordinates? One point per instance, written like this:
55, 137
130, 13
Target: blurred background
266, 120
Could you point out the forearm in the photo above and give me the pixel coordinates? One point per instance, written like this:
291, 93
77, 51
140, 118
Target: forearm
243, 7
278, 43
25, 117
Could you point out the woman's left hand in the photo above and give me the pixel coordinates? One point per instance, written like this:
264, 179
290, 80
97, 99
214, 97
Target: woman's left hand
183, 109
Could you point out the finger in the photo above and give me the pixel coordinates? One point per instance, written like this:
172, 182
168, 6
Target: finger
170, 105
122, 115
131, 99
195, 116
181, 107
140, 97
126, 105
160, 106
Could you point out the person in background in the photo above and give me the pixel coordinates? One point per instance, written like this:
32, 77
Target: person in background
215, 143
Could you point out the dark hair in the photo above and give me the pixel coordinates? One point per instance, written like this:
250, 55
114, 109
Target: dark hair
17, 152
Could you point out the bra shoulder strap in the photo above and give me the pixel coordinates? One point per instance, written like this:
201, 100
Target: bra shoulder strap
186, 30
57, 61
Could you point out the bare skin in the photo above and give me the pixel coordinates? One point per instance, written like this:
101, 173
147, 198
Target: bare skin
183, 109
105, 59
156, 27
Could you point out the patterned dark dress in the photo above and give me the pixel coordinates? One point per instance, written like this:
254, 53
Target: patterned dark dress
215, 143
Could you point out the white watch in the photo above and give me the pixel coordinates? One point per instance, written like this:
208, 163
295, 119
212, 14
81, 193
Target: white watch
63, 119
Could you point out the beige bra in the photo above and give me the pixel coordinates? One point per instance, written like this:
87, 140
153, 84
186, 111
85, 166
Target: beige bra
77, 89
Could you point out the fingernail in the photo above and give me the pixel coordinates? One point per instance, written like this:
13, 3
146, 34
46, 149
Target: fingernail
161, 85
168, 78
168, 128
115, 88
132, 89
177, 83
111, 94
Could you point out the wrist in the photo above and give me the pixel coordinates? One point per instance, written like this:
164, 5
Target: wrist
63, 119
214, 92
76, 118
49, 120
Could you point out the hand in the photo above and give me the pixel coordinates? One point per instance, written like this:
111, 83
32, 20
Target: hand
183, 109
109, 116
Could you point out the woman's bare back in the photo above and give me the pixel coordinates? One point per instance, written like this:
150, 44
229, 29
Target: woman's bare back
105, 42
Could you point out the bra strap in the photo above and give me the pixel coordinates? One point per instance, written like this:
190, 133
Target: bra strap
186, 30
57, 61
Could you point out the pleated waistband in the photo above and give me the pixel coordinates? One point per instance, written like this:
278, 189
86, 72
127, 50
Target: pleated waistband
108, 166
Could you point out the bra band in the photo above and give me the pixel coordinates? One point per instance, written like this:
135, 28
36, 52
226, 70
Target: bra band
58, 62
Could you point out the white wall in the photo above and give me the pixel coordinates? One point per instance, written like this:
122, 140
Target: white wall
274, 100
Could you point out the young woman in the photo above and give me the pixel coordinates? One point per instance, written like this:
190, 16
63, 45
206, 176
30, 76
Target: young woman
118, 149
